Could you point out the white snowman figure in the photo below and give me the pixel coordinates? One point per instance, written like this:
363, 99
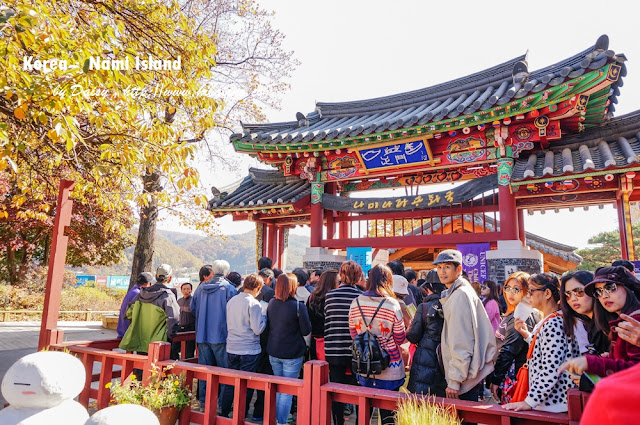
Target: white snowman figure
123, 414
40, 389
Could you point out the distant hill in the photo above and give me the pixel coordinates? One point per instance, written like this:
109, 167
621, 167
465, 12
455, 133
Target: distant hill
187, 252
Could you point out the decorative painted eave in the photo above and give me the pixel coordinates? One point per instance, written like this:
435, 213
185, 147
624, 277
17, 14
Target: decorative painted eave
536, 242
612, 148
505, 90
260, 190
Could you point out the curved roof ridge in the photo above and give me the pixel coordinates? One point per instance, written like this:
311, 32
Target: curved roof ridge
399, 100
621, 126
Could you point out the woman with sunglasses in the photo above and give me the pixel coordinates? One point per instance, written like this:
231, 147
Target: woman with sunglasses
617, 291
577, 312
490, 299
512, 348
551, 348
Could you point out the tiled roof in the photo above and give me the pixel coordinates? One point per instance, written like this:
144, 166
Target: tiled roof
482, 90
615, 144
533, 241
260, 189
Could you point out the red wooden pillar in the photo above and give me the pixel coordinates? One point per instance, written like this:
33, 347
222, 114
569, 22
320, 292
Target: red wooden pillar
281, 247
49, 333
317, 214
344, 227
331, 224
508, 214
272, 248
521, 231
624, 216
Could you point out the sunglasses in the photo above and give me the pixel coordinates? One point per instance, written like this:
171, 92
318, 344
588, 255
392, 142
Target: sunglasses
605, 290
532, 290
483, 287
514, 291
578, 292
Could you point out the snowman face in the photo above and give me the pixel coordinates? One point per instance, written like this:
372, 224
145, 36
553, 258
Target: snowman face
43, 379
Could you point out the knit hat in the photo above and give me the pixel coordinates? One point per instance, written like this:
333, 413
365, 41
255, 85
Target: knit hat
619, 275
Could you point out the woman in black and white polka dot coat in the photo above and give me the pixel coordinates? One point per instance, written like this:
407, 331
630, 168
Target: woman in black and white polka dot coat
552, 347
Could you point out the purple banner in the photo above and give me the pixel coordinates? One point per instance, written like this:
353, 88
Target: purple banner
474, 260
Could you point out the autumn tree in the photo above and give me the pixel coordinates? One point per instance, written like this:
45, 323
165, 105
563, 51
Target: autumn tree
128, 137
251, 69
63, 114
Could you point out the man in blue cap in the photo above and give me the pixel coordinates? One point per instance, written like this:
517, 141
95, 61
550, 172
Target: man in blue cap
468, 342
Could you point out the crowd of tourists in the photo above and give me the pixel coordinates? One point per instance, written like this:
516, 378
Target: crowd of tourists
524, 343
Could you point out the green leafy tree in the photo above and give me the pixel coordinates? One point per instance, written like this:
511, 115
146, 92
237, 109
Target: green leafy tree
608, 251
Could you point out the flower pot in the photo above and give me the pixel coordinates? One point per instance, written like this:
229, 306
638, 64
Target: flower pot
168, 415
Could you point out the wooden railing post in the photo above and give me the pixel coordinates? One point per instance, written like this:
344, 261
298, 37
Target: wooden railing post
158, 351
321, 404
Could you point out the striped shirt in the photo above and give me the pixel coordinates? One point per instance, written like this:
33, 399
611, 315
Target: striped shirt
388, 326
337, 339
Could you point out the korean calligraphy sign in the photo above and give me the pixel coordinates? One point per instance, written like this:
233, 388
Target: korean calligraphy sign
396, 155
452, 196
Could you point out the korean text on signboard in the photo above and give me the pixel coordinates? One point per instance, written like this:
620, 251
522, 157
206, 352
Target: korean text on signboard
398, 155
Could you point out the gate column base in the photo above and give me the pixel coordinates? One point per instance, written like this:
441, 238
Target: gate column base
322, 258
510, 257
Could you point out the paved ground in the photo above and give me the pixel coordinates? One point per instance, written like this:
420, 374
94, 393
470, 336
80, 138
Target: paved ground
17, 339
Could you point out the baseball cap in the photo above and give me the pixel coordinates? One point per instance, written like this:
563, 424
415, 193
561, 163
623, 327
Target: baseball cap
400, 285
449, 256
164, 270
144, 278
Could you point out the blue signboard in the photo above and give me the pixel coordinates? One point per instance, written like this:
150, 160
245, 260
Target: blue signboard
362, 256
119, 282
83, 280
411, 153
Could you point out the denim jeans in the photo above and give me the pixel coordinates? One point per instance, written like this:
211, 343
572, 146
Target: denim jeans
214, 355
289, 368
244, 362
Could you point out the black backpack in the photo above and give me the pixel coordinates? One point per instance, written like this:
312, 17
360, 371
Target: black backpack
367, 356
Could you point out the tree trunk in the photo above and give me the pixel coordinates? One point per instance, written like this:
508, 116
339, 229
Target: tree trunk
145, 244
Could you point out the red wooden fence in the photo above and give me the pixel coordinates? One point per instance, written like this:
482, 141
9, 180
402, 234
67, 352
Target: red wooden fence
315, 393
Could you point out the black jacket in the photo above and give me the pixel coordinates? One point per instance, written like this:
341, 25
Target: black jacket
288, 323
425, 376
511, 347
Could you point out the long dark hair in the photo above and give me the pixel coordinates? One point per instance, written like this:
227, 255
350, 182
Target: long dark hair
493, 292
381, 281
547, 281
569, 315
603, 317
328, 281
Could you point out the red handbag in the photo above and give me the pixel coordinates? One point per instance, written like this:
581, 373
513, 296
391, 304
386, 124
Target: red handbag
520, 390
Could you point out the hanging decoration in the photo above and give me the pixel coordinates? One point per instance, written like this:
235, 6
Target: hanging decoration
541, 123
